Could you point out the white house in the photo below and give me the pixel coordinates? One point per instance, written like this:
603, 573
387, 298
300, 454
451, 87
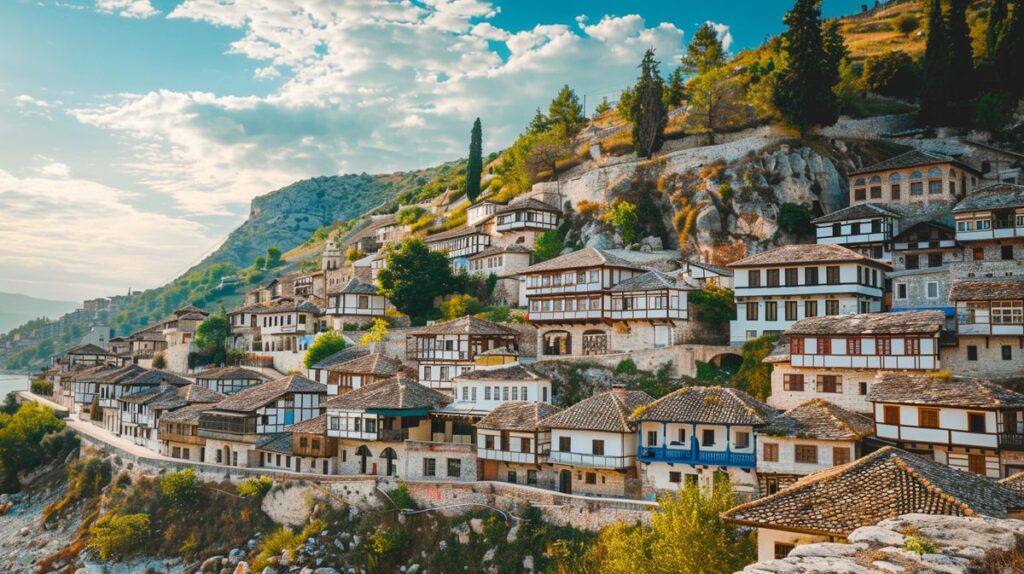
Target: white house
486, 387
989, 327
777, 288
511, 447
356, 303
140, 412
445, 350
866, 228
230, 380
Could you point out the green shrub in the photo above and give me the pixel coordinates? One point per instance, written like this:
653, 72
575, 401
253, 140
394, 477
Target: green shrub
402, 499
626, 367
181, 488
725, 191
714, 304
919, 545
42, 388
120, 536
548, 246
256, 487
324, 345
795, 218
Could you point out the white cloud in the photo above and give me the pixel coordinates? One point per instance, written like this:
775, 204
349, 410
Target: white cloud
370, 87
30, 106
127, 8
266, 73
724, 36
65, 237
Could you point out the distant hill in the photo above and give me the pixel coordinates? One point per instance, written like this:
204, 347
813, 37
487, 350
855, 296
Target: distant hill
16, 309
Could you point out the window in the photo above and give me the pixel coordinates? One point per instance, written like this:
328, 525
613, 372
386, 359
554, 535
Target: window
454, 467
564, 444
837, 229
853, 345
773, 277
792, 277
832, 275
824, 346
1007, 352
840, 455
928, 418
531, 477
591, 478
429, 467
806, 453
752, 311
978, 253
792, 382
652, 438
681, 436
932, 290
911, 262
741, 439
934, 187
832, 307
791, 310
487, 393
976, 464
972, 352
976, 422
771, 452
771, 486
524, 445
916, 188
810, 308
512, 478
912, 346
754, 278
771, 311
934, 260
783, 550
675, 477
1006, 252
891, 414
708, 437
862, 388
829, 384
489, 442
811, 276
597, 447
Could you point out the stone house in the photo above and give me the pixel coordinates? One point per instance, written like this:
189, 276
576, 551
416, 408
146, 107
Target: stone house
594, 444
887, 483
303, 448
989, 328
140, 412
445, 350
505, 263
283, 324
511, 446
779, 287
837, 358
229, 380
914, 178
990, 225
866, 228
356, 303
812, 436
969, 424
178, 433
689, 435
921, 256
459, 243
233, 426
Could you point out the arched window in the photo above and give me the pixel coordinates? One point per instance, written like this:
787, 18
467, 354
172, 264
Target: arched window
895, 189
876, 179
557, 343
876, 187
915, 175
952, 173
934, 181
860, 181
934, 172
895, 178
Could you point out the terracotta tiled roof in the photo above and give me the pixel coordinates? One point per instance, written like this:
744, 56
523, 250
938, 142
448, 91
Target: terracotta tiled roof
230, 373
315, 425
819, 419
809, 253
885, 484
713, 405
995, 196
468, 325
515, 372
906, 323
342, 356
655, 280
986, 290
608, 411
252, 398
528, 203
857, 211
912, 158
942, 391
588, 257
519, 416
390, 394
372, 364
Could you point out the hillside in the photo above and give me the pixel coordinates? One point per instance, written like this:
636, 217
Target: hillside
900, 25
16, 309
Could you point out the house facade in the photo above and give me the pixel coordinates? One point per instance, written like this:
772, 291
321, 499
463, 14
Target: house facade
356, 303
922, 257
914, 178
443, 351
866, 228
229, 380
511, 447
989, 328
140, 412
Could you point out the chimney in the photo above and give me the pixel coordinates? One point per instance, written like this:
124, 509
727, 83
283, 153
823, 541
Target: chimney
619, 389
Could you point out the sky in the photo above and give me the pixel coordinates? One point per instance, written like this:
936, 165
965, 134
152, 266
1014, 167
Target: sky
134, 133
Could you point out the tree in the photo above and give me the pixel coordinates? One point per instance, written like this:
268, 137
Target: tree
795, 218
649, 114
992, 112
835, 49
755, 376
565, 111
324, 345
539, 123
548, 149
603, 107
1010, 53
116, 536
622, 215
181, 488
353, 254
997, 14
273, 256
906, 24
459, 305
548, 246
804, 93
961, 65
414, 277
212, 336
475, 164
377, 334
159, 362
891, 74
715, 101
705, 51
625, 104
714, 304
935, 85
20, 436
675, 90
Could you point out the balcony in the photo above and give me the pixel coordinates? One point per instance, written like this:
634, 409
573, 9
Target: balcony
509, 456
696, 456
1011, 441
590, 460
393, 434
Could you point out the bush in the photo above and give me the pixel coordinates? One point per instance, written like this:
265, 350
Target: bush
626, 367
181, 488
120, 536
725, 191
86, 478
755, 376
906, 24
919, 545
159, 362
892, 74
622, 215
993, 112
402, 499
255, 487
795, 218
459, 305
325, 345
20, 436
42, 387
377, 333
714, 304
548, 246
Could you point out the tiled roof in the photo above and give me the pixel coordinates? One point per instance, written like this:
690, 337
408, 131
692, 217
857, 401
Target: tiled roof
510, 248
83, 373
286, 305
807, 253
390, 394
819, 419
200, 394
857, 211
655, 280
230, 373
188, 414
942, 391
588, 257
460, 231
373, 364
1014, 482
252, 398
885, 484
156, 377
117, 375
519, 416
86, 349
905, 323
986, 290
710, 267
608, 411
528, 203
357, 286
280, 442
468, 325
912, 158
515, 372
342, 356
315, 425
779, 353
713, 405
995, 196
167, 397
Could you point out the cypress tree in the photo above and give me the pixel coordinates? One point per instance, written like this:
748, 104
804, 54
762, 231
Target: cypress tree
1010, 52
475, 165
704, 52
675, 91
803, 93
996, 20
835, 49
961, 65
935, 90
649, 114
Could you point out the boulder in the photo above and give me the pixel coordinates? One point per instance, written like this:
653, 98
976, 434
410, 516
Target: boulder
652, 243
242, 568
210, 564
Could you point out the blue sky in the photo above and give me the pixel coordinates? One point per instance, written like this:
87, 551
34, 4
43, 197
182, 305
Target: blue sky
134, 133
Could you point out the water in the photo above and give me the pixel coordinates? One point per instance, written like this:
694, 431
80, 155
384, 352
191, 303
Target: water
12, 382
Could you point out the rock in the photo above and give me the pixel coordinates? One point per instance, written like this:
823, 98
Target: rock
325, 570
251, 544
652, 243
236, 554
823, 550
210, 564
528, 563
442, 545
25, 531
412, 569
269, 570
489, 555
877, 535
242, 568
887, 566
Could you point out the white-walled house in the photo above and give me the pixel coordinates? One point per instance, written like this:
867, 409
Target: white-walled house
969, 424
866, 228
688, 435
504, 262
140, 412
593, 444
363, 370
511, 446
705, 273
230, 380
777, 288
830, 504
356, 303
812, 436
486, 387
837, 358
989, 327
445, 350
125, 382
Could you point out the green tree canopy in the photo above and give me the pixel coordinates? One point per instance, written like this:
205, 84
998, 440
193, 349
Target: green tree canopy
548, 246
475, 164
755, 376
414, 277
675, 89
795, 218
602, 107
622, 215
565, 111
935, 68
892, 74
538, 123
212, 333
324, 345
704, 52
714, 304
649, 114
803, 94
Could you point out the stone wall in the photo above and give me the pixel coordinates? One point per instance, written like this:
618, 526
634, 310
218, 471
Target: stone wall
990, 362
417, 451
866, 128
683, 357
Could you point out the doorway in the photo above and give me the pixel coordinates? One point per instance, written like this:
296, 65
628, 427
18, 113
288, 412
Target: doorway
565, 482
